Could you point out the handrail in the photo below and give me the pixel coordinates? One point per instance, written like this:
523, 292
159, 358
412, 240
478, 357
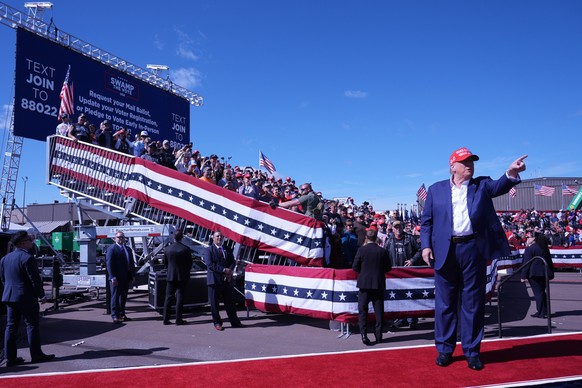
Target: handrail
524, 265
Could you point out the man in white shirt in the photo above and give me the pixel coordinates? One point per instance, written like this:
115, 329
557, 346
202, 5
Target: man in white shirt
460, 231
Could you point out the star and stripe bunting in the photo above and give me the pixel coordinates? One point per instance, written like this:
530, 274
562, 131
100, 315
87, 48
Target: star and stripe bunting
332, 294
242, 219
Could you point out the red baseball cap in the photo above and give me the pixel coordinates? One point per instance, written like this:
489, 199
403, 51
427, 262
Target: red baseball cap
461, 154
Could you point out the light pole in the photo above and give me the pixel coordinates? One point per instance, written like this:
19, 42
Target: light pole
24, 179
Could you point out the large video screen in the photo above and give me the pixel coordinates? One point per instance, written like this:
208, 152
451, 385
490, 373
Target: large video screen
99, 91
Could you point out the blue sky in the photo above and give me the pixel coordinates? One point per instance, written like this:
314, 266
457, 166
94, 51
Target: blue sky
362, 98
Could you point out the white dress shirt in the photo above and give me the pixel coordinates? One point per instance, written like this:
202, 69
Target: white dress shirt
461, 221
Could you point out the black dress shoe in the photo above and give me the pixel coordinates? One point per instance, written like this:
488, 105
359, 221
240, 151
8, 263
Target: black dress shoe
536, 315
365, 340
126, 319
237, 325
16, 361
181, 322
474, 363
42, 358
167, 323
378, 338
444, 359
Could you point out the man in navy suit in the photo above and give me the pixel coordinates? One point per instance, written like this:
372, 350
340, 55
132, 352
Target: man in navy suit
178, 261
121, 270
220, 262
459, 232
23, 289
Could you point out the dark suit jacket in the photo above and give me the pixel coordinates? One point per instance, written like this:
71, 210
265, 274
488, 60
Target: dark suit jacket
437, 218
20, 278
216, 264
178, 261
536, 267
372, 262
117, 263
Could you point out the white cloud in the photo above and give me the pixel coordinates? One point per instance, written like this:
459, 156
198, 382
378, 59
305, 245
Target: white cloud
186, 77
185, 47
158, 43
355, 94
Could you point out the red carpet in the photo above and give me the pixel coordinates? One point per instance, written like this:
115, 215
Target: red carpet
506, 361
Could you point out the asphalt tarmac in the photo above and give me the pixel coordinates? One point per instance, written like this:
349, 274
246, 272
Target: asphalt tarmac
83, 337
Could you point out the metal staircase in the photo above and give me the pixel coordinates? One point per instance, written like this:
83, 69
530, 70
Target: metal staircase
109, 199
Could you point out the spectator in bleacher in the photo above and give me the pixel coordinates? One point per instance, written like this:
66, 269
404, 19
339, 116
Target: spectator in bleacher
217, 167
122, 143
139, 145
152, 153
80, 130
184, 159
248, 188
287, 193
338, 259
308, 201
265, 193
276, 194
228, 182
65, 125
104, 136
557, 239
349, 241
167, 156
403, 252
208, 175
193, 170
360, 227
92, 133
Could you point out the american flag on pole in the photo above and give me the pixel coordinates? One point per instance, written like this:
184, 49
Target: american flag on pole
544, 191
67, 96
513, 192
239, 218
421, 193
568, 190
266, 163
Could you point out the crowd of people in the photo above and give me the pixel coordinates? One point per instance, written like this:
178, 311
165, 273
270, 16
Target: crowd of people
562, 228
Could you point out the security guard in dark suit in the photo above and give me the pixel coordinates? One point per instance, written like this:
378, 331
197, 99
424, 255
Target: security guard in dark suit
23, 289
220, 262
178, 261
371, 262
121, 271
